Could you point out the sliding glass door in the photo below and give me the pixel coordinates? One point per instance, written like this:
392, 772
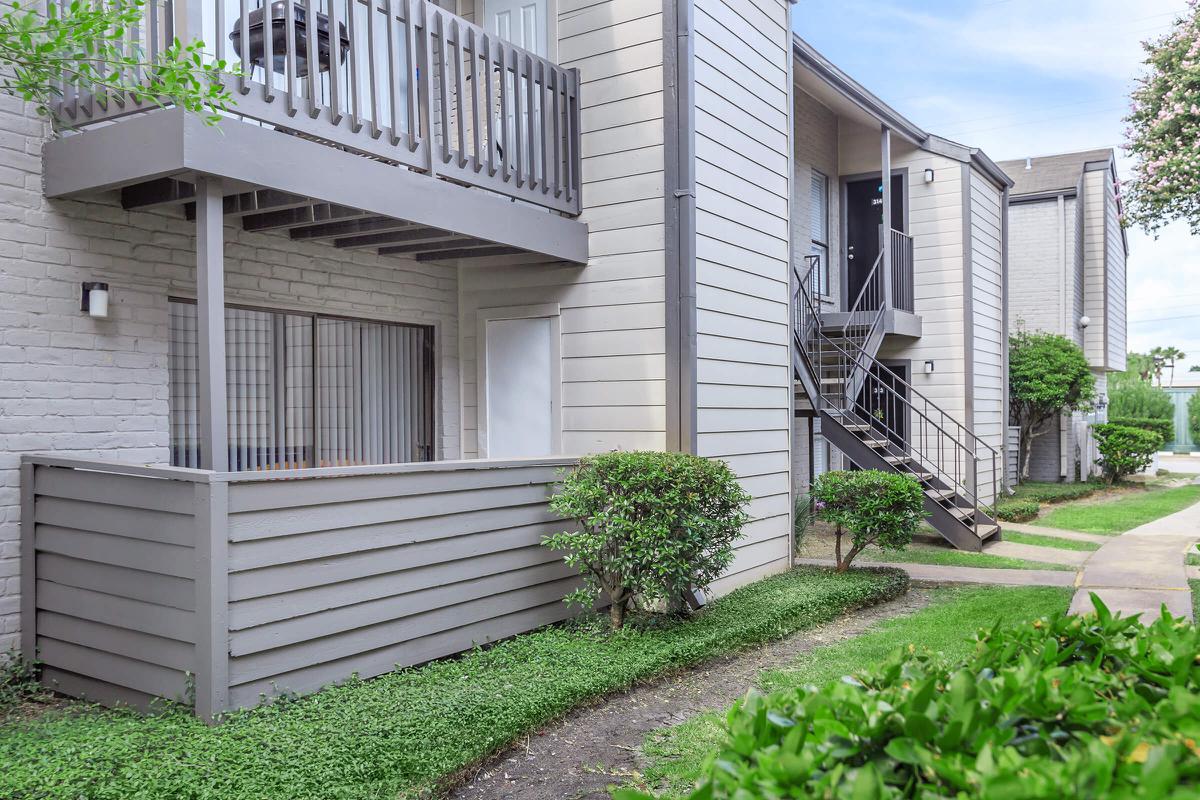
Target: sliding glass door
308, 390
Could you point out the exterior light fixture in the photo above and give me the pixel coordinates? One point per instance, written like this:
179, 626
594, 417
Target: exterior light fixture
929, 176
929, 367
1084, 321
95, 299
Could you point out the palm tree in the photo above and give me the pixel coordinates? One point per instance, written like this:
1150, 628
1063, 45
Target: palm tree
1172, 355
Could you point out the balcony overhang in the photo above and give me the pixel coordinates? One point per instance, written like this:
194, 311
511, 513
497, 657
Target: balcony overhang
155, 157
894, 323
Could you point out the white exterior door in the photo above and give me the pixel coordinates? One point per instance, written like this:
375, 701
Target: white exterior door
519, 393
522, 22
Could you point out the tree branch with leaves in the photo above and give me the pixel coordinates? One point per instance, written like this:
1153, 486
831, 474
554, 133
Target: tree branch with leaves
43, 50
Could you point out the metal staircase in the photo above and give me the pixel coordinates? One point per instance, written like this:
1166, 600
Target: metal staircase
880, 421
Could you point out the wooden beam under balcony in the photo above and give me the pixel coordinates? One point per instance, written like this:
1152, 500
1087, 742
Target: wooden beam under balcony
296, 218
458, 243
481, 252
405, 236
156, 193
333, 230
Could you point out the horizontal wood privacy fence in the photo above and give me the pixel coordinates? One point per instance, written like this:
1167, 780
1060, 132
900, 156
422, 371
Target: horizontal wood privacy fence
403, 81
143, 582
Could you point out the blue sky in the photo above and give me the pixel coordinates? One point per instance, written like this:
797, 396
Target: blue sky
1024, 78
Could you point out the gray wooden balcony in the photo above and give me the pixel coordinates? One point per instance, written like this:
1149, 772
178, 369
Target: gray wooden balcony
400, 125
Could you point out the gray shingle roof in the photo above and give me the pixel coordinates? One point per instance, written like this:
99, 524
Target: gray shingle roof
1051, 173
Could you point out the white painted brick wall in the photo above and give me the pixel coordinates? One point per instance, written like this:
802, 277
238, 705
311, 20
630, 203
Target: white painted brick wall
71, 384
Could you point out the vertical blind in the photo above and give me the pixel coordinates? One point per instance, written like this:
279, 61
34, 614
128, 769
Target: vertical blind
305, 390
818, 223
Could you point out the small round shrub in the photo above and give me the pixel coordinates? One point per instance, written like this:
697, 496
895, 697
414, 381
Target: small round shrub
1017, 510
1163, 427
874, 507
1125, 451
651, 526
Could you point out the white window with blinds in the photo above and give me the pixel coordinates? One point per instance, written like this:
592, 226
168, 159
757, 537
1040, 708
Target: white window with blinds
818, 210
307, 390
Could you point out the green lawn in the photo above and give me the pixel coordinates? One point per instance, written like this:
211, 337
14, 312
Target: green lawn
1195, 599
676, 755
943, 555
1121, 513
1016, 537
401, 735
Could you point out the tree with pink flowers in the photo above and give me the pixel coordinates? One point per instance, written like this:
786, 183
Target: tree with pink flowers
1163, 131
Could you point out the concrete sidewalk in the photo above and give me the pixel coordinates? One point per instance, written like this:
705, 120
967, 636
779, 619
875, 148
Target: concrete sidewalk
1056, 533
1143, 569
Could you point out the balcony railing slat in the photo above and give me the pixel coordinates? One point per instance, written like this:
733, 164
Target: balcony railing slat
499, 117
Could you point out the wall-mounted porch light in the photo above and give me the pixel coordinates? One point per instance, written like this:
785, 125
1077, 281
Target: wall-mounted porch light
929, 367
1084, 321
95, 299
929, 176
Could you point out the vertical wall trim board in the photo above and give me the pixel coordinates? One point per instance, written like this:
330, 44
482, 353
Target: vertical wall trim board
212, 600
968, 304
1004, 412
1109, 197
210, 323
791, 207
28, 564
679, 114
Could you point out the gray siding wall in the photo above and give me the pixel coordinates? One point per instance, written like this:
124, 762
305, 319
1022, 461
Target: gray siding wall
816, 148
358, 573
1116, 317
744, 380
1045, 293
114, 562
613, 310
989, 415
1094, 240
288, 583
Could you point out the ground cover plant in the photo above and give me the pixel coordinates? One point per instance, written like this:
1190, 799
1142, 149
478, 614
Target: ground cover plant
874, 508
1122, 512
650, 526
676, 755
1046, 492
1014, 510
403, 734
1090, 706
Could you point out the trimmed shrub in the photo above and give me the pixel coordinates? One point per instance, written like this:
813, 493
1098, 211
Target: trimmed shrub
1125, 451
1017, 510
874, 507
1072, 706
1055, 492
651, 526
1163, 427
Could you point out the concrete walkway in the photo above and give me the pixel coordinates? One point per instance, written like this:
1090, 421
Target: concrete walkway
1143, 569
937, 573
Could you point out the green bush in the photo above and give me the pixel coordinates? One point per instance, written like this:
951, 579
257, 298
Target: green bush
803, 516
1055, 492
1130, 398
1163, 427
1071, 706
1125, 451
1017, 510
1193, 413
18, 681
651, 526
874, 507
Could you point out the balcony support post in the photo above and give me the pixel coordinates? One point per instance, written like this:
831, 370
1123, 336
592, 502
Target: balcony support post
885, 157
210, 323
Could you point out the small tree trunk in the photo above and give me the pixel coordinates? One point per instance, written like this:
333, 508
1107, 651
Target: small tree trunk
837, 549
1026, 451
616, 613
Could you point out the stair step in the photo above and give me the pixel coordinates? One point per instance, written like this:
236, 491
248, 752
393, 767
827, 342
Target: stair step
940, 494
856, 426
922, 476
961, 513
877, 444
986, 531
833, 380
896, 460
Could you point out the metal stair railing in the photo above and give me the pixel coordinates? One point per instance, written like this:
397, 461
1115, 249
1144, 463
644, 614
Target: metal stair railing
934, 439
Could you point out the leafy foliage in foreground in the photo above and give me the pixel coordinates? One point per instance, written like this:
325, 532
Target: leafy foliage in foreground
43, 46
650, 526
401, 734
1083, 706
